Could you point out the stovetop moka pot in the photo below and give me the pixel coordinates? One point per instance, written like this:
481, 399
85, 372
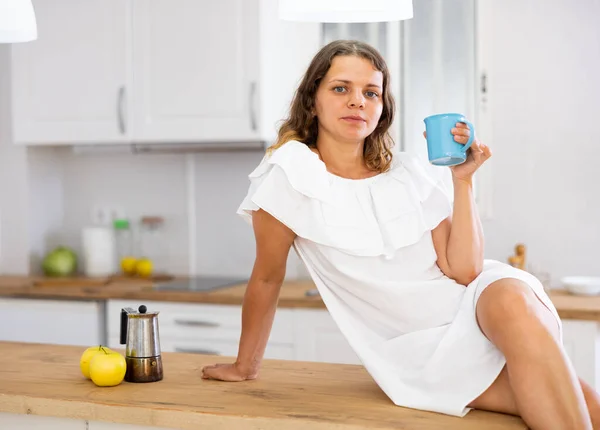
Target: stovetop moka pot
139, 332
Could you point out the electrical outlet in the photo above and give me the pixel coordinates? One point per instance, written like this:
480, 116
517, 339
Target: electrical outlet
101, 215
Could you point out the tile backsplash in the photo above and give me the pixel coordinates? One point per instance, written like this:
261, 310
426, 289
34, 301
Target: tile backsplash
66, 187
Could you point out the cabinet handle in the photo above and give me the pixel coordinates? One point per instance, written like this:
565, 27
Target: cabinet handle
483, 83
197, 351
197, 323
120, 109
252, 111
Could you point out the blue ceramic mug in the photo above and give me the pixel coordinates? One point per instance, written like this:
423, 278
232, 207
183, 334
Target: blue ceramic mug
442, 149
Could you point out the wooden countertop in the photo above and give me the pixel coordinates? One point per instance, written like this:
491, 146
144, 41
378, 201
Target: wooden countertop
292, 293
46, 380
569, 306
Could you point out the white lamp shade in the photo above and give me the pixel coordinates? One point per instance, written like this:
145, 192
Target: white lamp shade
17, 21
345, 10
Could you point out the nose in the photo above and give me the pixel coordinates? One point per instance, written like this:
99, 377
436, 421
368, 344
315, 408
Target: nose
356, 100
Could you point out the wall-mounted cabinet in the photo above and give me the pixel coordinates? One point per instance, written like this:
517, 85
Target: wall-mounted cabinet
156, 71
71, 84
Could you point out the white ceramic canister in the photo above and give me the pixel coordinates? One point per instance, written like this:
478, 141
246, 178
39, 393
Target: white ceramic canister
99, 251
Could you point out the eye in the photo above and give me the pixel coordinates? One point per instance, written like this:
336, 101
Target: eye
339, 89
372, 94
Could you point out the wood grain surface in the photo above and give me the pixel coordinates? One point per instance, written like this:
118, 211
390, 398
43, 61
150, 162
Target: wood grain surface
292, 293
46, 380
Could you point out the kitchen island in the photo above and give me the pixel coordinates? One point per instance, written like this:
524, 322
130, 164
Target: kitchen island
42, 383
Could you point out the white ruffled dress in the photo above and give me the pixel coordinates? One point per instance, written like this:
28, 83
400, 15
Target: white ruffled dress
367, 245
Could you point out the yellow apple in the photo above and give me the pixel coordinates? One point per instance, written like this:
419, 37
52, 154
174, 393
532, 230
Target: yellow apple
107, 369
128, 265
144, 267
84, 361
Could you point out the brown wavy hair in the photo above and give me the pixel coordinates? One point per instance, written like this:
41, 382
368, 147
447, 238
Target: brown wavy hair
301, 125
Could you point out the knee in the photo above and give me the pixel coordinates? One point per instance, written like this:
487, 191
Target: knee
511, 316
508, 301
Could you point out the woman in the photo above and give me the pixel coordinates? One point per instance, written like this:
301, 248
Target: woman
398, 260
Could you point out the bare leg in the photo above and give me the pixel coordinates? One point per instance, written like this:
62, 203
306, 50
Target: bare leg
499, 397
546, 391
593, 403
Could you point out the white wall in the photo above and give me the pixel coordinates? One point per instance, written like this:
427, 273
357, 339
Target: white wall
65, 187
14, 211
546, 104
46, 204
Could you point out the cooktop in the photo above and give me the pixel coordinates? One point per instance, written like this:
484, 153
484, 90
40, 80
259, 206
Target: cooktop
199, 283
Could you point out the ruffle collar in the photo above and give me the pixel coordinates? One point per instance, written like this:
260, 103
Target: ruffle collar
372, 217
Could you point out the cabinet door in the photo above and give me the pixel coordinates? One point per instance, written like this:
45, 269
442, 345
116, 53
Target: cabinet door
37, 422
192, 321
224, 348
71, 85
218, 347
51, 321
317, 338
581, 341
195, 70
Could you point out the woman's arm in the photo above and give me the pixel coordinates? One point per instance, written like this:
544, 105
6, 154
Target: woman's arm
458, 240
273, 243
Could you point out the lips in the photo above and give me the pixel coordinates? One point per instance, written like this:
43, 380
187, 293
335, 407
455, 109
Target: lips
354, 118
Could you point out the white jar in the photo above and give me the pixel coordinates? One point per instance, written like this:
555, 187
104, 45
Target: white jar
99, 251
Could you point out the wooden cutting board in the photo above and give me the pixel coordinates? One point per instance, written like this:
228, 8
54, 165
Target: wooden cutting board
136, 279
70, 281
84, 281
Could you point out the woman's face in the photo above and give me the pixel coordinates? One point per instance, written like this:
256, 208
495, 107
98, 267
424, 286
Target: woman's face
349, 100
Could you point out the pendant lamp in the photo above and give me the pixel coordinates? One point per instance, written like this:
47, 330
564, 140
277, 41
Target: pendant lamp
345, 10
17, 21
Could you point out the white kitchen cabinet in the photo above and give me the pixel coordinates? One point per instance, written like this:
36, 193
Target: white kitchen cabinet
157, 71
71, 84
297, 334
52, 321
138, 71
41, 422
227, 348
318, 338
581, 340
195, 69
190, 321
203, 328
219, 347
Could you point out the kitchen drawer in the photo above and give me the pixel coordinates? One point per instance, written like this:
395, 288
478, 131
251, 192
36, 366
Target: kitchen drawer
229, 349
51, 321
188, 321
318, 338
216, 347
